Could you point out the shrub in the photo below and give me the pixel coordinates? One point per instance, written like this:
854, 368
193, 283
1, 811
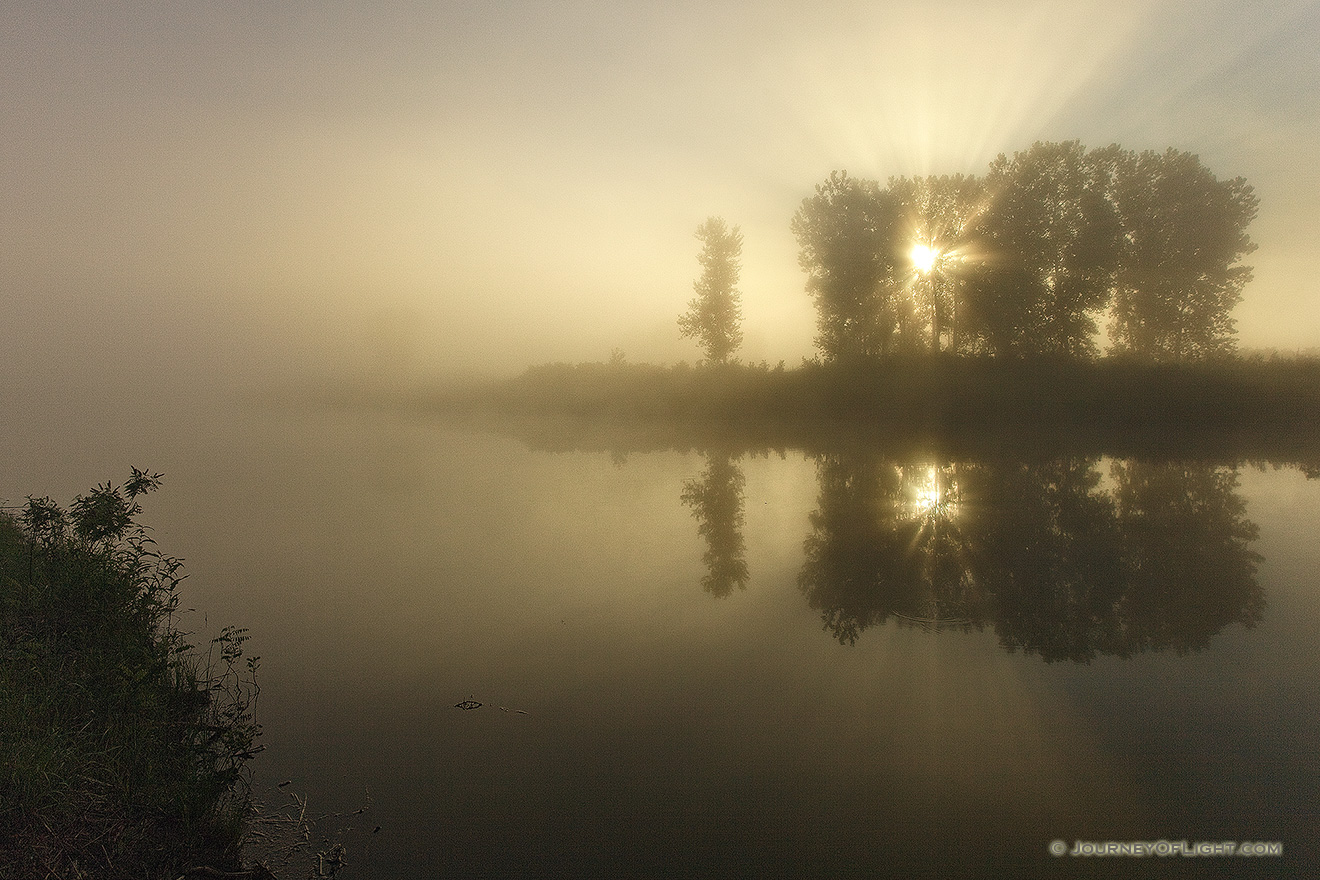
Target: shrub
126, 749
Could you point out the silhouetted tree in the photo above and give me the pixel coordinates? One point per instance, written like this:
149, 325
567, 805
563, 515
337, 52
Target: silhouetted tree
1026, 261
714, 317
1050, 237
1179, 277
716, 499
936, 212
1064, 568
885, 543
845, 234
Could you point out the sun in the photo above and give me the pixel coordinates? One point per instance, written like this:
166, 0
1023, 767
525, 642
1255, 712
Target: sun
923, 257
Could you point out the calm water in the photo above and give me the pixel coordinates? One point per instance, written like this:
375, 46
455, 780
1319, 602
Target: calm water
707, 664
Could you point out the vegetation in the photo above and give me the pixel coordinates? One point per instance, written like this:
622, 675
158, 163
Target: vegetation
125, 749
967, 311
1030, 259
1221, 410
714, 317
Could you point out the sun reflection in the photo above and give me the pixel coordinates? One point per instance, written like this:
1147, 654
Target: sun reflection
933, 495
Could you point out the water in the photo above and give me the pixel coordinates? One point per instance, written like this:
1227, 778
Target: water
660, 698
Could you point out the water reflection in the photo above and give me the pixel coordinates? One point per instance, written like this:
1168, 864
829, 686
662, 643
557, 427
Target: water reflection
1062, 564
1189, 565
886, 542
716, 499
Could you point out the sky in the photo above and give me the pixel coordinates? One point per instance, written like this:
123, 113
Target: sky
449, 188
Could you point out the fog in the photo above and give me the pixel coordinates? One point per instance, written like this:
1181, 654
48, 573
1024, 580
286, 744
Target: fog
203, 196
934, 615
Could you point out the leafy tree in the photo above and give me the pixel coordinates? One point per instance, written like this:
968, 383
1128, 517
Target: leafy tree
937, 213
1045, 546
1026, 260
1179, 278
885, 543
1051, 240
845, 234
856, 569
714, 317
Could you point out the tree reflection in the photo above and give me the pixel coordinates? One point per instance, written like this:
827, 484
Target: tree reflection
1047, 547
716, 499
1060, 565
1189, 566
884, 543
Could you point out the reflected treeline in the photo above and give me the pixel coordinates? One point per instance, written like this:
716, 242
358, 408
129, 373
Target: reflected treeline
716, 499
884, 544
1060, 561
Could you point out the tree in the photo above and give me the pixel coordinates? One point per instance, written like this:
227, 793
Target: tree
1051, 241
1028, 259
1179, 280
1187, 551
857, 568
845, 234
937, 213
714, 317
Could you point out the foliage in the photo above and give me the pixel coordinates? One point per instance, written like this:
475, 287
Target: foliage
846, 234
714, 317
1061, 567
1049, 240
1179, 277
1227, 411
126, 750
939, 213
1028, 260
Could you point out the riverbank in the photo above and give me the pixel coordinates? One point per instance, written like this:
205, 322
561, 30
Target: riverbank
1231, 410
126, 748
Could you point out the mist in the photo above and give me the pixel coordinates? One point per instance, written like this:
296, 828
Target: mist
418, 192
733, 599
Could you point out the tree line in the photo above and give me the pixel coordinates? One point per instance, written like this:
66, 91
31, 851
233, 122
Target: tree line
1039, 257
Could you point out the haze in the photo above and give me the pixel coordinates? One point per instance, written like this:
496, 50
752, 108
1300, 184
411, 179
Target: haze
199, 192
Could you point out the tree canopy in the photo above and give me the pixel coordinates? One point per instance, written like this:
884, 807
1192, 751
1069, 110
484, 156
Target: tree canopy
1032, 259
714, 317
1179, 278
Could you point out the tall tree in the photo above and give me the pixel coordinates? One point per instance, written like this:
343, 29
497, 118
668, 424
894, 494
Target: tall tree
844, 233
1180, 277
1051, 237
714, 317
933, 241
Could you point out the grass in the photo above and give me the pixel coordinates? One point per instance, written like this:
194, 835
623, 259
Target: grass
1232, 409
125, 748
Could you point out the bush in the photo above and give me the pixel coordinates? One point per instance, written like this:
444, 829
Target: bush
126, 750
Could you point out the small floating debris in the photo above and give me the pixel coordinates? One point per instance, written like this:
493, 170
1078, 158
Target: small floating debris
284, 783
467, 704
